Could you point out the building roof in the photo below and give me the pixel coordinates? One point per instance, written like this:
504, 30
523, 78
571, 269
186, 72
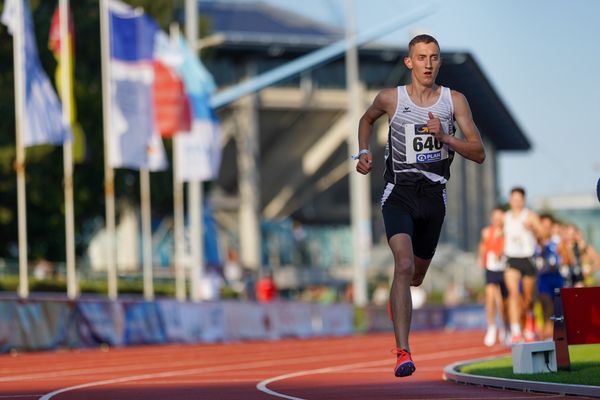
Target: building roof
255, 27
460, 71
258, 22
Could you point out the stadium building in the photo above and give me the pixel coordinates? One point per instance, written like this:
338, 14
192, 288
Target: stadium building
301, 126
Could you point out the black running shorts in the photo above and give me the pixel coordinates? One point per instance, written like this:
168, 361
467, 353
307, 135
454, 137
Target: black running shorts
496, 278
418, 211
525, 265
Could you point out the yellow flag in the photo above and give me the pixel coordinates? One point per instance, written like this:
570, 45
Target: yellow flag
54, 43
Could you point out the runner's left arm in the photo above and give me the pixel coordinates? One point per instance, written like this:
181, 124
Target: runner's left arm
471, 147
533, 223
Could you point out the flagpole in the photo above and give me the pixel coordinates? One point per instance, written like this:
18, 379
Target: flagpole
179, 224
109, 191
19, 62
360, 201
146, 233
196, 239
65, 56
359, 185
195, 192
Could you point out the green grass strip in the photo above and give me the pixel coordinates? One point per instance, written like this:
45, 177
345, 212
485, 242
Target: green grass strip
585, 368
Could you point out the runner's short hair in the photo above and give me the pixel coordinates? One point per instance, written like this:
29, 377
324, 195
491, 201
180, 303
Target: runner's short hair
423, 38
518, 189
549, 216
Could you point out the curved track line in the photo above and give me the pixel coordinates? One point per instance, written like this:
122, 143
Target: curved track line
166, 374
262, 385
150, 376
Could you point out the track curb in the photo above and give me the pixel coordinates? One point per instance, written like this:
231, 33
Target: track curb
451, 373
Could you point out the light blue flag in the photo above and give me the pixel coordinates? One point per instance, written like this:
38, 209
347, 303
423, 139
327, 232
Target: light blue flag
199, 150
198, 80
42, 119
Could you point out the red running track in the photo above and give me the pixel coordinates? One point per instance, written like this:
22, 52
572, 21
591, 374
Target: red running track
358, 367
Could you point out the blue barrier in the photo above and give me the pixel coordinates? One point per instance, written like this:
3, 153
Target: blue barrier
45, 324
431, 317
51, 323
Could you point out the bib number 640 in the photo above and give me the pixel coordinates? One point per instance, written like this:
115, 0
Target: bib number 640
428, 142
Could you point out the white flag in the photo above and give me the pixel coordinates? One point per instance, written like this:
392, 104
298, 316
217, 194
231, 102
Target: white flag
42, 119
199, 152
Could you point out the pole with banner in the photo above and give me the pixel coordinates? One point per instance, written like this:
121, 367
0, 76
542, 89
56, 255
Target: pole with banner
178, 206
132, 134
38, 114
199, 150
66, 89
19, 68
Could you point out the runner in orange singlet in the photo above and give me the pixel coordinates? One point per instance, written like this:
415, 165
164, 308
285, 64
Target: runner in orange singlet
491, 258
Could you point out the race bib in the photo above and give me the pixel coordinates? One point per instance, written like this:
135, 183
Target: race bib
493, 262
421, 146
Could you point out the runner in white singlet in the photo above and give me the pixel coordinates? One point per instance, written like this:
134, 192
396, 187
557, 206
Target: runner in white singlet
521, 227
421, 145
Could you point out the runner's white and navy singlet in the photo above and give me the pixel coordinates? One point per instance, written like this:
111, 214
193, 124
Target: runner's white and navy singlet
519, 242
412, 155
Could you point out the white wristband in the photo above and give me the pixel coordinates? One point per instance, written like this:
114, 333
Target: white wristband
360, 153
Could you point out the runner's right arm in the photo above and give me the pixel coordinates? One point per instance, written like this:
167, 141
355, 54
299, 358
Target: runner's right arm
384, 103
481, 255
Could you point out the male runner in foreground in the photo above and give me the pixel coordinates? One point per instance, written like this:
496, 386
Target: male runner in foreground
421, 146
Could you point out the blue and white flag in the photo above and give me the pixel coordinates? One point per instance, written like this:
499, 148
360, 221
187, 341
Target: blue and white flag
42, 112
199, 151
133, 139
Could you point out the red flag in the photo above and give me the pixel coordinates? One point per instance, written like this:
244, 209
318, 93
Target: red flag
54, 36
172, 111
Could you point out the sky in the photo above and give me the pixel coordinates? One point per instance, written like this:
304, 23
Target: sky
540, 56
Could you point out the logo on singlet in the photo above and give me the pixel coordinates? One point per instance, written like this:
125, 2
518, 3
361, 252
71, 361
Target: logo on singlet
429, 157
406, 110
421, 129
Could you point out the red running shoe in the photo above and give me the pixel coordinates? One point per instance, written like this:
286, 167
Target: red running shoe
516, 339
404, 363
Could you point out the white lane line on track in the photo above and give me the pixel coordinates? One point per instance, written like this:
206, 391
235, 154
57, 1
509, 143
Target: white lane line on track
222, 368
126, 368
263, 385
172, 382
149, 376
508, 397
13, 396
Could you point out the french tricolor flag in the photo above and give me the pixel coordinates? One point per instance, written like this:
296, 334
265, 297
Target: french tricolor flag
134, 138
159, 87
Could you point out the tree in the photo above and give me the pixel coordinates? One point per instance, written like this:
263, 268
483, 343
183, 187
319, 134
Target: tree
45, 201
